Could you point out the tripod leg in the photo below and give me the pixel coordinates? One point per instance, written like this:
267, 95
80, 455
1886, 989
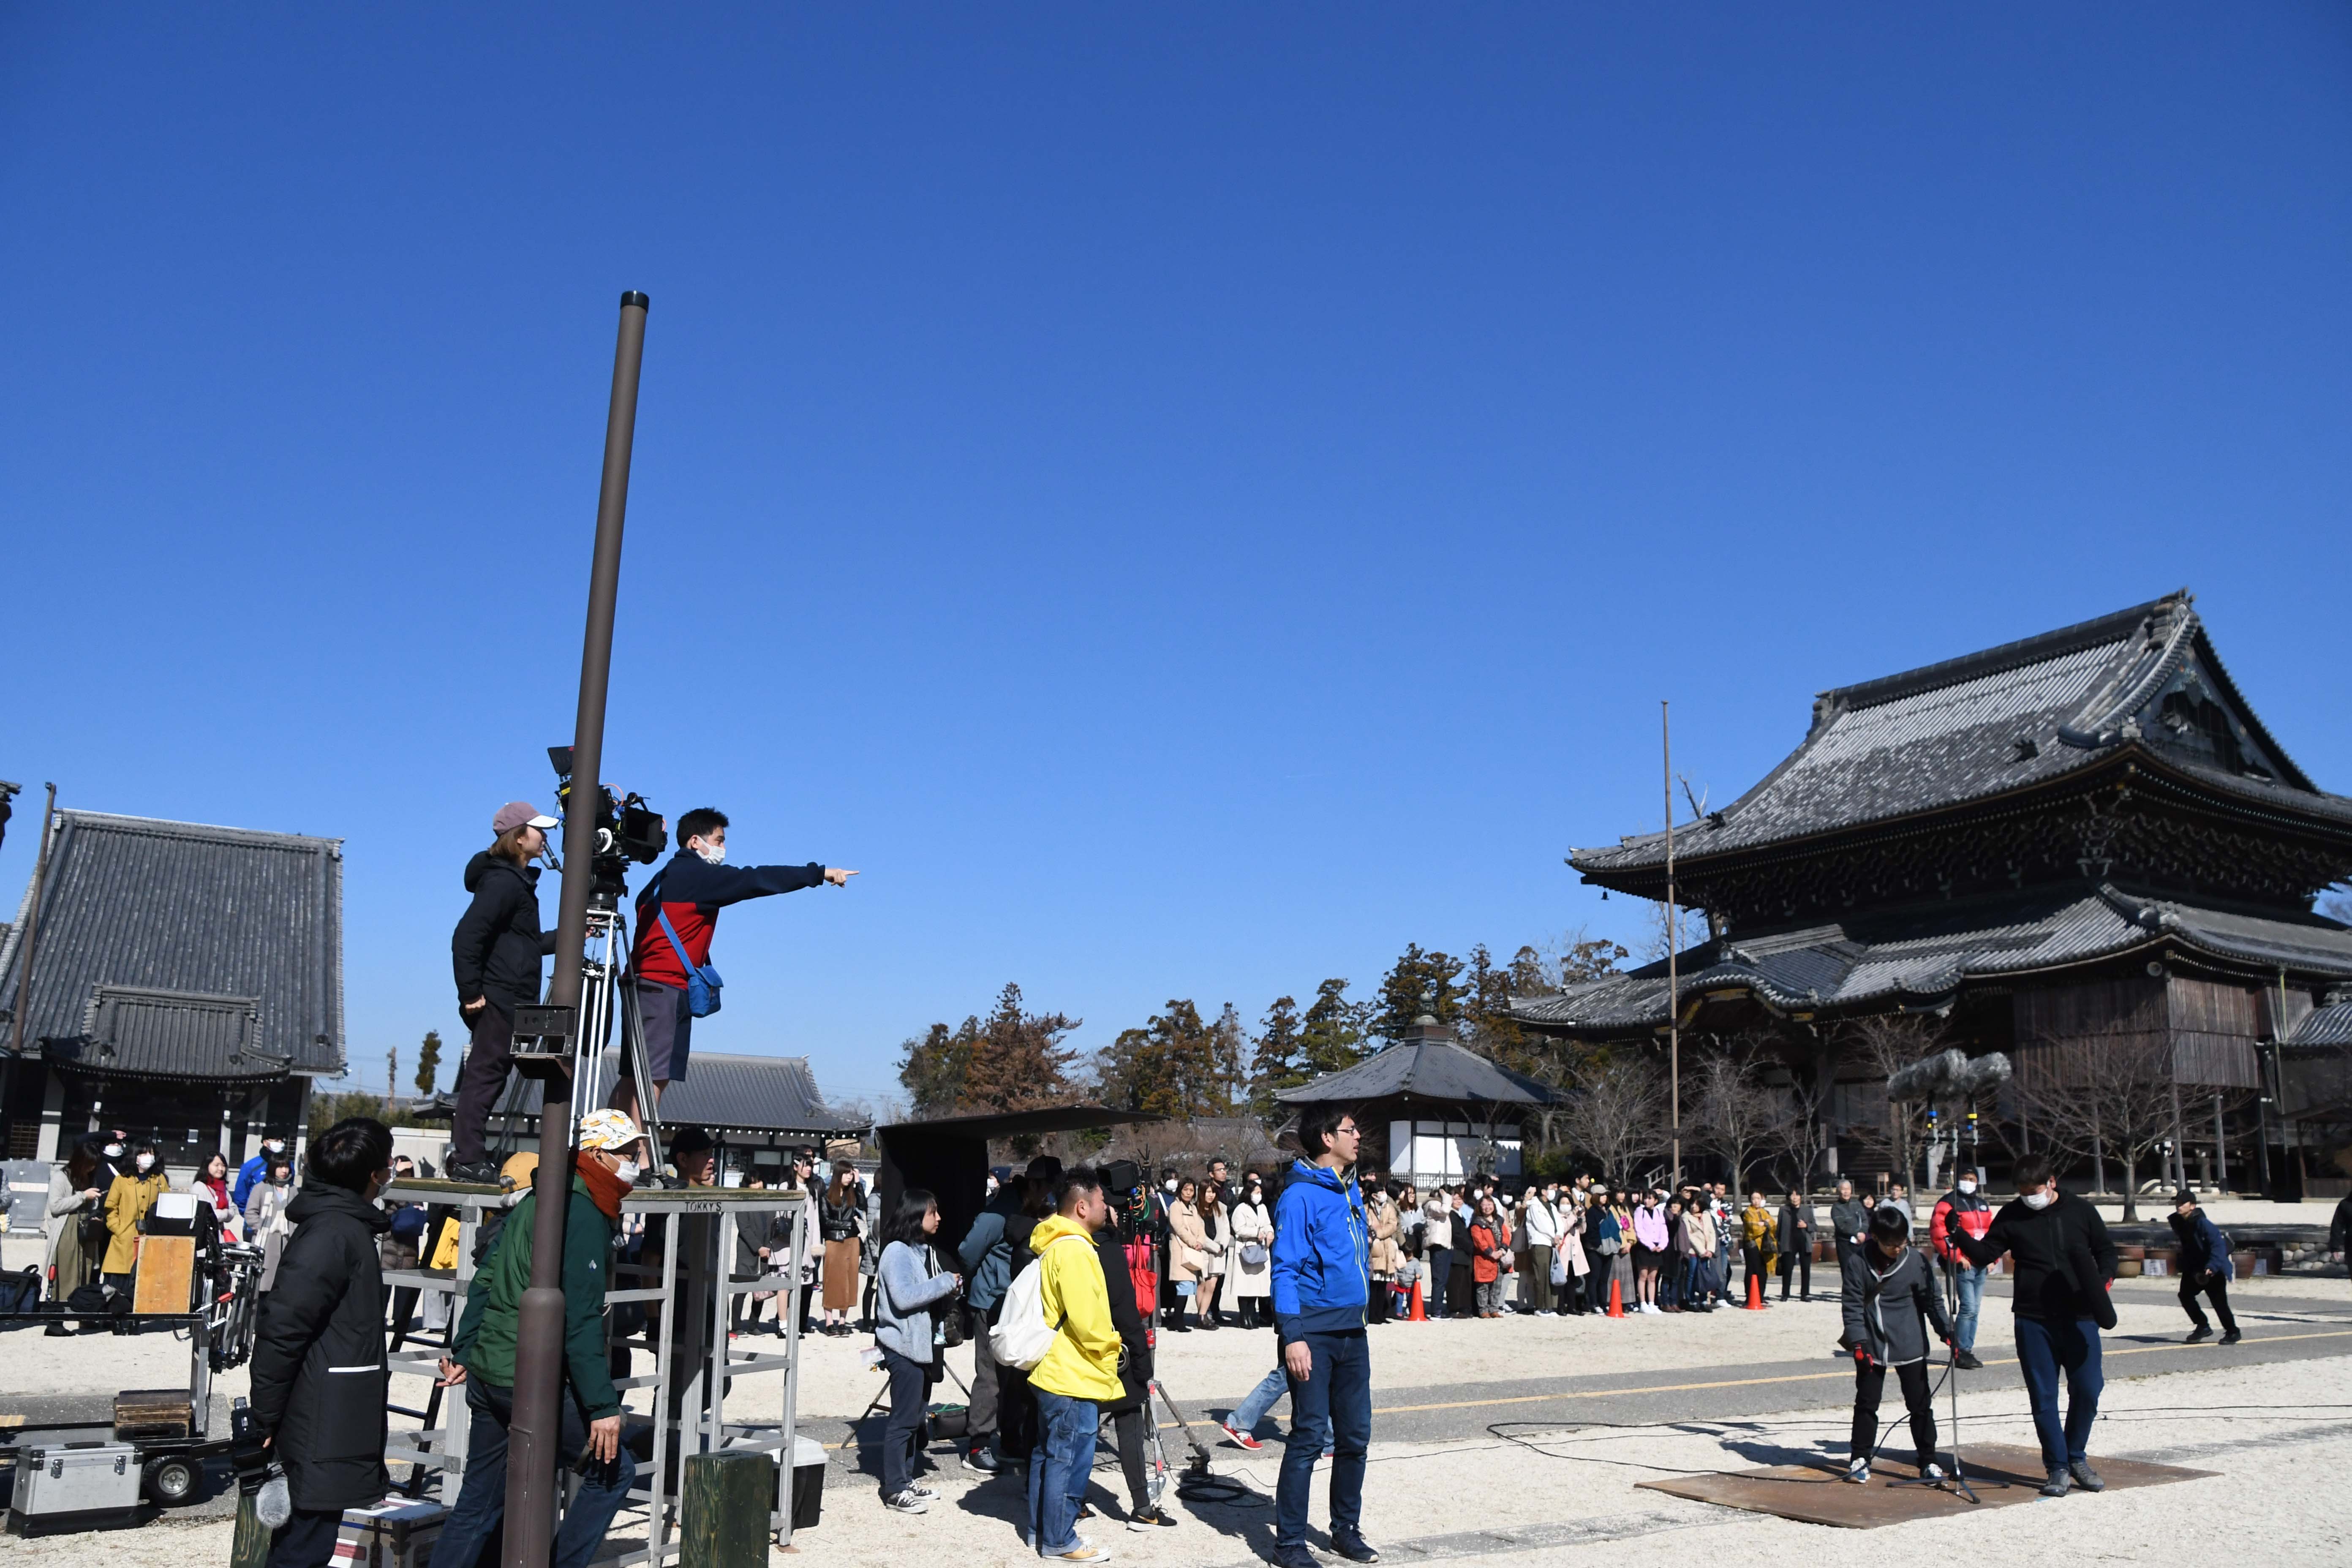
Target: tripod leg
632, 1062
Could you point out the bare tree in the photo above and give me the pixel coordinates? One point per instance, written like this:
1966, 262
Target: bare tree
1617, 1113
1735, 1115
1889, 1042
1799, 1137
2102, 1094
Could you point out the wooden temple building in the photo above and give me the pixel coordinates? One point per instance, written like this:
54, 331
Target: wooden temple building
2085, 832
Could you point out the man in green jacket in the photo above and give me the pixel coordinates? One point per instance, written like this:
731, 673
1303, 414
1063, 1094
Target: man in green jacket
606, 1167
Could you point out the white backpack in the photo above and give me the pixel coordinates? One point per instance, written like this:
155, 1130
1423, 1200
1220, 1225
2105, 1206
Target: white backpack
1022, 1335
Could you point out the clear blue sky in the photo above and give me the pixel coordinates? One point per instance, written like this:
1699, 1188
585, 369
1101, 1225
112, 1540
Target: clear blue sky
1188, 500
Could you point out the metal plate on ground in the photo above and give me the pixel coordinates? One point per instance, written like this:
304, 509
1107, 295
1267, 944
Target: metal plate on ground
2001, 1475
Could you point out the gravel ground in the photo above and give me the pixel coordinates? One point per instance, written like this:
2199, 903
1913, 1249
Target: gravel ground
1544, 1492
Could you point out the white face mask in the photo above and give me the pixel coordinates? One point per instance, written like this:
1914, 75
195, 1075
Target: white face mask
1967, 1184
2037, 1200
1169, 1184
146, 1161
114, 1151
628, 1170
712, 854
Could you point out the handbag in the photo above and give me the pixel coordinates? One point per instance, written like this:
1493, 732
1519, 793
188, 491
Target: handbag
703, 982
1252, 1255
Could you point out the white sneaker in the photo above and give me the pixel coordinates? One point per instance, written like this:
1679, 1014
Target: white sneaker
1547, 1312
926, 1493
1858, 1472
906, 1502
1932, 1473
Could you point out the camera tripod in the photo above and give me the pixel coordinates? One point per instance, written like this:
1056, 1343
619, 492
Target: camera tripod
603, 993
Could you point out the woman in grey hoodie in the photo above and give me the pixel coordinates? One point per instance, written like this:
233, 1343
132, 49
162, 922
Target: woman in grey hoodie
910, 1284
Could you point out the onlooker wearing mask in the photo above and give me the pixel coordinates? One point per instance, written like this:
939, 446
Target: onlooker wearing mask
1539, 1225
1850, 1218
253, 1171
2064, 1261
319, 1375
76, 1193
1387, 1252
1252, 1268
1962, 1209
267, 1225
1218, 1228
678, 915
1888, 1300
1437, 1242
1798, 1223
1080, 1369
2204, 1266
1320, 1280
483, 1357
494, 955
912, 1291
129, 1200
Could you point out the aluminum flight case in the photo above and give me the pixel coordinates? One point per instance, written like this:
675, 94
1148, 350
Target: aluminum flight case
79, 1485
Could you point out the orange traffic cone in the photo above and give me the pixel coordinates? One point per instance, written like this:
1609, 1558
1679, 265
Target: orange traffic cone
1418, 1316
1616, 1299
1754, 1294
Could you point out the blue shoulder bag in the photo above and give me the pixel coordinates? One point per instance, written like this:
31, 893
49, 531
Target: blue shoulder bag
703, 982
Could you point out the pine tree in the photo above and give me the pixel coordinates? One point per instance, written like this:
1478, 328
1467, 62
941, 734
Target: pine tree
933, 1071
1280, 1060
1176, 1065
428, 1061
1419, 982
1331, 1036
1017, 1060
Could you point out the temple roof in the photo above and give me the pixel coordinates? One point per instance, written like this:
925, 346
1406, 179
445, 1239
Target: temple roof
2144, 680
1921, 957
1430, 1064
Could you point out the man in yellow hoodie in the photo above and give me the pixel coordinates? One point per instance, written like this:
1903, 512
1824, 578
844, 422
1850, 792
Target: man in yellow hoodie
1081, 1368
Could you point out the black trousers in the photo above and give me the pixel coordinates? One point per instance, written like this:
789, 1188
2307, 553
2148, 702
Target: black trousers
1128, 1426
1751, 1259
1794, 1264
489, 1053
1869, 1380
306, 1540
980, 1419
2217, 1290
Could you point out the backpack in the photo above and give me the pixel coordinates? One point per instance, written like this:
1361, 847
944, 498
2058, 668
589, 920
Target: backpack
703, 982
1022, 1335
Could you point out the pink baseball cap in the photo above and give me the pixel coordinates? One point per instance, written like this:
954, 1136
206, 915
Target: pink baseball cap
520, 814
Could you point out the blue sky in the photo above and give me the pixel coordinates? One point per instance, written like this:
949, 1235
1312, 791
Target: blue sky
1187, 500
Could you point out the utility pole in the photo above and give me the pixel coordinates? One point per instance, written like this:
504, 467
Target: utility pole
535, 1435
1673, 986
32, 929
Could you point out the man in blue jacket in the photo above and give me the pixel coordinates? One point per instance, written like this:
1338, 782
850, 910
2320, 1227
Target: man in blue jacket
677, 914
1322, 1281
2204, 1266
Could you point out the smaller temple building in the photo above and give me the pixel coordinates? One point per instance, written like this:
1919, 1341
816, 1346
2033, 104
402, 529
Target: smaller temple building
1431, 1109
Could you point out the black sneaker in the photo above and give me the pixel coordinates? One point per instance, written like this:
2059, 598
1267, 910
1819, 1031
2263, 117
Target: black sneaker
1967, 1361
2198, 1335
2231, 1336
2084, 1477
1294, 1557
1354, 1548
1151, 1518
475, 1173
2058, 1485
980, 1459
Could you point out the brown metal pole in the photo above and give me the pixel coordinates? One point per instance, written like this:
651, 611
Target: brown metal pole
32, 929
1673, 987
534, 1452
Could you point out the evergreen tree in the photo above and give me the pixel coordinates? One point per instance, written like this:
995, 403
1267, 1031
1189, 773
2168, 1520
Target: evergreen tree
1419, 982
1280, 1061
1017, 1060
428, 1061
1176, 1065
933, 1074
1331, 1036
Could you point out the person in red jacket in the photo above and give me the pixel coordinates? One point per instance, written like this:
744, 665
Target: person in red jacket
1965, 1210
677, 914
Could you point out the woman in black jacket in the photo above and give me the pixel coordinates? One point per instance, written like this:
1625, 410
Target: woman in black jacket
495, 954
1132, 1408
318, 1374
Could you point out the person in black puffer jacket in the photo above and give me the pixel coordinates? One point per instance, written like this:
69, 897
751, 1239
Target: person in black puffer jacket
319, 1375
2065, 1262
495, 954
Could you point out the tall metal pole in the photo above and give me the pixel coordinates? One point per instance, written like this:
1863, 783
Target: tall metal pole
535, 1442
32, 931
1674, 985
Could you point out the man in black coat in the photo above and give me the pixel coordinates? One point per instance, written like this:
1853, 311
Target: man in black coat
1799, 1225
319, 1375
2065, 1262
494, 957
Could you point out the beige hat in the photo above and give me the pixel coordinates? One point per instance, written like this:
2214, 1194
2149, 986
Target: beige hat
608, 1129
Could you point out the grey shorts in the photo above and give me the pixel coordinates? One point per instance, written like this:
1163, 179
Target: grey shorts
669, 1029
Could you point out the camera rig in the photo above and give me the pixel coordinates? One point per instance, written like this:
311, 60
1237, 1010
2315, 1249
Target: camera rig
627, 829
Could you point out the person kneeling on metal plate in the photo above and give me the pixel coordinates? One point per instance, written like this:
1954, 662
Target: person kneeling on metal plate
484, 1356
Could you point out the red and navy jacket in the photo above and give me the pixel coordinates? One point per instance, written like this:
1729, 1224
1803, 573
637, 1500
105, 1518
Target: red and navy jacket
1968, 1211
692, 893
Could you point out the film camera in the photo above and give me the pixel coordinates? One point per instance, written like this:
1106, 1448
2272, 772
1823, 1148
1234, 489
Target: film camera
627, 829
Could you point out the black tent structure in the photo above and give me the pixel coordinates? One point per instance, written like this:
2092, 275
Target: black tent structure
1431, 1109
949, 1156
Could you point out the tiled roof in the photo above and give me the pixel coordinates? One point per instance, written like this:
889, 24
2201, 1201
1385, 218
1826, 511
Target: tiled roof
1922, 957
1428, 1068
2328, 1025
1992, 723
748, 1094
173, 949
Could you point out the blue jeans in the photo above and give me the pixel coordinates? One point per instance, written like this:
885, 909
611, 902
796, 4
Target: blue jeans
482, 1500
1331, 1405
1259, 1400
2044, 1349
1971, 1292
902, 1435
1059, 1470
